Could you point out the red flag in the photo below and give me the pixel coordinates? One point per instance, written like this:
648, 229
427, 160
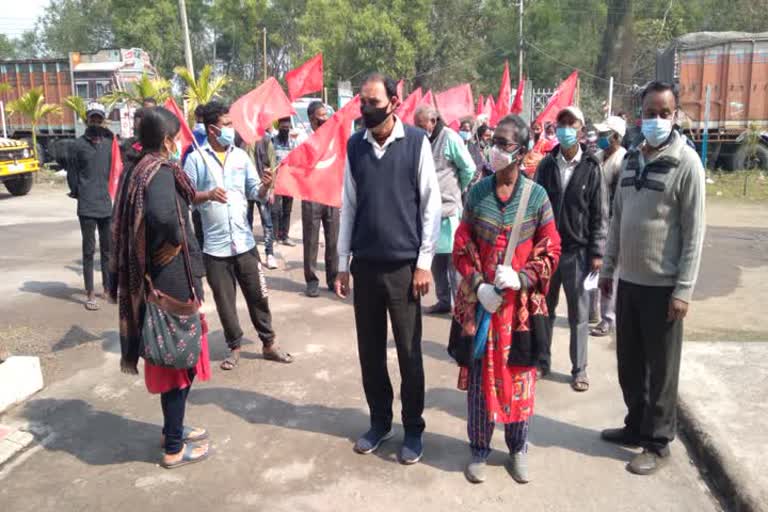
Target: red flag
517, 105
490, 111
305, 79
314, 171
254, 112
563, 97
186, 133
400, 89
455, 103
408, 107
427, 99
505, 94
115, 169
480, 105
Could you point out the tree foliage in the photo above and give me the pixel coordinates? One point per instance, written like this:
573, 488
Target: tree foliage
32, 105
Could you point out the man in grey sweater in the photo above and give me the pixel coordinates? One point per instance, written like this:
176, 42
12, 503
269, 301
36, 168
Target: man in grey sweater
654, 244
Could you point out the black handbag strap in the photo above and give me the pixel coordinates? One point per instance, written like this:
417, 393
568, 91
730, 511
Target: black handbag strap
185, 249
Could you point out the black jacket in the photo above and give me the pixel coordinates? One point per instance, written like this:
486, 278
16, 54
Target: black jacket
580, 211
88, 175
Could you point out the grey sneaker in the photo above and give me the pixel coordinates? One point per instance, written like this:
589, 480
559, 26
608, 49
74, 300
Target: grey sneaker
517, 466
271, 262
476, 470
371, 440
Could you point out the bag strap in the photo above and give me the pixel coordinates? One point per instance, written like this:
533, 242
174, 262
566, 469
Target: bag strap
522, 206
185, 249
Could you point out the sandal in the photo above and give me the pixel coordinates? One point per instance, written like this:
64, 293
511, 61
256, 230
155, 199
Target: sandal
273, 353
187, 457
580, 384
187, 436
602, 329
231, 362
92, 305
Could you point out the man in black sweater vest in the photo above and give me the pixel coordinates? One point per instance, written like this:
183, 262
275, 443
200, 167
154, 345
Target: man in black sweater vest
390, 222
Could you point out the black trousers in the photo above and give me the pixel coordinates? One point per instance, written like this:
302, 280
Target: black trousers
381, 288
648, 349
281, 216
88, 228
174, 405
312, 216
223, 276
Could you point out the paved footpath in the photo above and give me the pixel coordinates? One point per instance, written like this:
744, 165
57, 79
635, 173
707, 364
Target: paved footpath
283, 434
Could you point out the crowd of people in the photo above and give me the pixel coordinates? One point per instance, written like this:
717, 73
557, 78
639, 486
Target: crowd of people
501, 218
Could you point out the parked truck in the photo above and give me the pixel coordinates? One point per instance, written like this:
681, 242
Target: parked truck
734, 66
88, 75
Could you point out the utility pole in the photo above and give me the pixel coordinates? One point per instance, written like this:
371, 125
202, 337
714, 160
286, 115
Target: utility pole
520, 49
264, 32
187, 45
610, 96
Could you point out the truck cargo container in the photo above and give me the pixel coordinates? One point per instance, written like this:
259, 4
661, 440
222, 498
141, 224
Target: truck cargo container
735, 67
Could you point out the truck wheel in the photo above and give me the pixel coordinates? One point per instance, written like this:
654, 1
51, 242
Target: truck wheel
743, 160
20, 186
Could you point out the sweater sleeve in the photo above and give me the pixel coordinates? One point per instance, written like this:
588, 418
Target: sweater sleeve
160, 209
692, 224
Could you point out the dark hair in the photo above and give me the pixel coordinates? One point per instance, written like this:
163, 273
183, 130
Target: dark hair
139, 112
199, 111
314, 107
389, 83
523, 132
284, 119
482, 129
212, 112
659, 86
152, 101
157, 124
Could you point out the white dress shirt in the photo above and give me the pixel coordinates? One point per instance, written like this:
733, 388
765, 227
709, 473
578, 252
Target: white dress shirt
567, 167
430, 204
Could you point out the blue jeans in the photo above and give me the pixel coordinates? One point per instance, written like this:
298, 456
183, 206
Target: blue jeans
266, 225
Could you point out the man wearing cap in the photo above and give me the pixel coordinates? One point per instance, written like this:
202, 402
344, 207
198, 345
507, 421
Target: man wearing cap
573, 180
611, 155
88, 180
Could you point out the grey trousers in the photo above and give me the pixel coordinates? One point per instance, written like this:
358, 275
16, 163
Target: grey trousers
608, 305
570, 275
446, 278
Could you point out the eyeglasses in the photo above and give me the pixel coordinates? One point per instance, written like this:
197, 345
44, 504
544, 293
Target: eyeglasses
505, 144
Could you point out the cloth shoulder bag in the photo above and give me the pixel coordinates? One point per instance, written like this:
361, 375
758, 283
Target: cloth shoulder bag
171, 333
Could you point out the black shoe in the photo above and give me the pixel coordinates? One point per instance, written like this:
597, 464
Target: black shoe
313, 289
438, 309
620, 436
412, 449
647, 463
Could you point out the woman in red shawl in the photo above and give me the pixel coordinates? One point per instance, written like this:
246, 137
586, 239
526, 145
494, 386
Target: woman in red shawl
502, 381
147, 237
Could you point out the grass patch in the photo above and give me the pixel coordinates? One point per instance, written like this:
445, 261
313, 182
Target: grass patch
732, 185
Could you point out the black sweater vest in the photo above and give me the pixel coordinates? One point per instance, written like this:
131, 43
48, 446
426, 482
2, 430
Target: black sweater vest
387, 219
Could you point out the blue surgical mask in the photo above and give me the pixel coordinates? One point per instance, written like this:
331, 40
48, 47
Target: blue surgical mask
465, 135
656, 130
603, 143
226, 136
567, 136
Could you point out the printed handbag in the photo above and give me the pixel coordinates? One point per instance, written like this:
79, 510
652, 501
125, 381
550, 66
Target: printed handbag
171, 333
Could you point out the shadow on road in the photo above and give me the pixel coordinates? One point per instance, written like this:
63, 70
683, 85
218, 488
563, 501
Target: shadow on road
93, 436
53, 289
445, 453
545, 432
77, 336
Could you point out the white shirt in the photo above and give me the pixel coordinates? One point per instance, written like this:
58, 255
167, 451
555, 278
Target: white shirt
430, 204
567, 167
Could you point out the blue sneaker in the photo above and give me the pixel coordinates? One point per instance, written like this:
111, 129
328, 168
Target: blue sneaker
412, 449
371, 440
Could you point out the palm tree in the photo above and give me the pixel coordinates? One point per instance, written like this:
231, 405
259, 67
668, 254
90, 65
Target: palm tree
201, 90
77, 105
32, 105
145, 87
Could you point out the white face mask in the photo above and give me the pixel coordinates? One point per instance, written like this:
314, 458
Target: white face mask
500, 159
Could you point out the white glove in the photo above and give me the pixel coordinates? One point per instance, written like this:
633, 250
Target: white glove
488, 297
507, 278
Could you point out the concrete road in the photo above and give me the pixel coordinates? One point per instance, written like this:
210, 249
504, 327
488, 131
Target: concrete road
282, 434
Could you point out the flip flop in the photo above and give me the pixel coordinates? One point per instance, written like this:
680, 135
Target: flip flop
187, 436
230, 363
277, 355
92, 305
580, 384
187, 457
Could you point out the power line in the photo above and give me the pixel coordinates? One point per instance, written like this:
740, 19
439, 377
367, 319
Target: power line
565, 64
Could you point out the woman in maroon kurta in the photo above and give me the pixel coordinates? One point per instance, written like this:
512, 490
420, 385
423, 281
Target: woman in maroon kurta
501, 384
